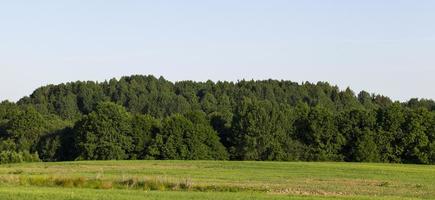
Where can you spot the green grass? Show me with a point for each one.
(215, 180)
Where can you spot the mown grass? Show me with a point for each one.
(41, 193)
(262, 179)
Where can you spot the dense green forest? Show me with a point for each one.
(144, 117)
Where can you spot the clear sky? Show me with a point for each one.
(382, 46)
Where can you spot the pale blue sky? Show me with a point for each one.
(382, 46)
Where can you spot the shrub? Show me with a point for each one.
(7, 157)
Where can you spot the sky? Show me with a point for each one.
(385, 47)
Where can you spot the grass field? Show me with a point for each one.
(215, 180)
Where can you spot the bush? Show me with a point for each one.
(29, 157)
(7, 157)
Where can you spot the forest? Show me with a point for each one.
(144, 117)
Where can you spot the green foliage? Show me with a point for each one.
(389, 122)
(415, 140)
(7, 111)
(17, 157)
(58, 146)
(320, 134)
(144, 117)
(144, 129)
(261, 130)
(184, 139)
(357, 126)
(25, 128)
(366, 149)
(104, 134)
(431, 151)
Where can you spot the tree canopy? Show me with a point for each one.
(144, 117)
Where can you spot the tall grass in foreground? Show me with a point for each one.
(148, 184)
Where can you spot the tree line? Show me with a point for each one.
(144, 117)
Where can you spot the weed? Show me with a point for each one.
(186, 184)
(384, 184)
(17, 171)
(64, 182)
(419, 186)
(105, 185)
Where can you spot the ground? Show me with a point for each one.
(215, 180)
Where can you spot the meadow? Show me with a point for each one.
(215, 180)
